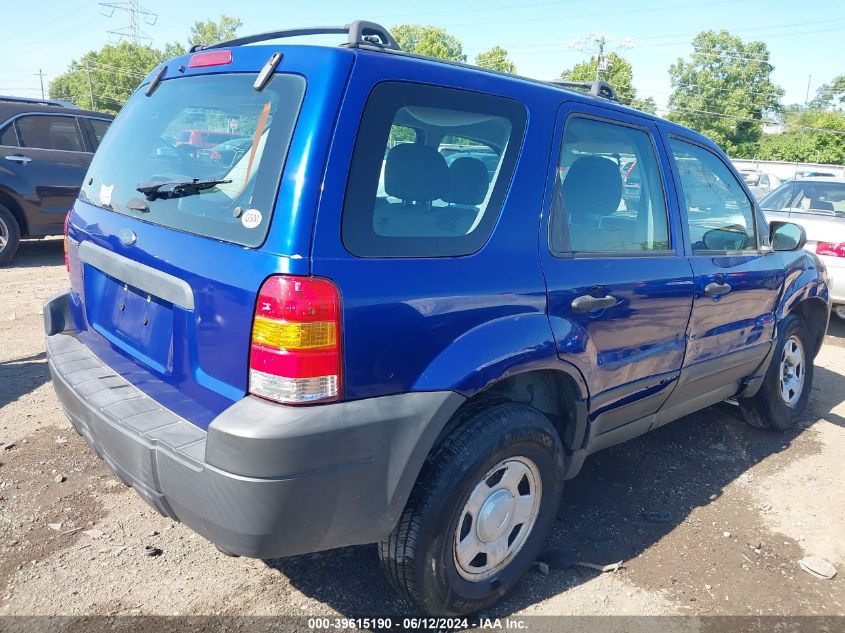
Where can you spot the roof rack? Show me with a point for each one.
(33, 100)
(596, 88)
(360, 34)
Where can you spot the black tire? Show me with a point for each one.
(767, 409)
(419, 557)
(9, 230)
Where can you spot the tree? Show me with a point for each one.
(431, 41)
(495, 59)
(211, 32)
(805, 138)
(830, 95)
(725, 90)
(103, 80)
(619, 74)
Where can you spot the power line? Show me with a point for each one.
(136, 13)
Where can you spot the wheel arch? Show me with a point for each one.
(8, 201)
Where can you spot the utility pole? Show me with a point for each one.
(136, 14)
(807, 98)
(41, 76)
(90, 87)
(601, 64)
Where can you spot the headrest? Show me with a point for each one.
(592, 186)
(468, 181)
(415, 173)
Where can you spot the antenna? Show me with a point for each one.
(137, 14)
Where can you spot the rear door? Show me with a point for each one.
(737, 278)
(619, 288)
(50, 163)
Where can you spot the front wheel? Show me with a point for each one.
(479, 514)
(10, 235)
(783, 397)
(839, 311)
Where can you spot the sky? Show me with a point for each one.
(806, 40)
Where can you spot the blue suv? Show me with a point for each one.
(412, 304)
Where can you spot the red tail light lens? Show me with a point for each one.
(295, 351)
(210, 58)
(67, 261)
(831, 249)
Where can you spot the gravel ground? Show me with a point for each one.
(744, 506)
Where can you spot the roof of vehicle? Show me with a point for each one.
(10, 108)
(839, 179)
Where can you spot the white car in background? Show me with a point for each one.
(817, 204)
(761, 183)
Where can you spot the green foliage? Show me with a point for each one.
(211, 32)
(114, 72)
(619, 74)
(724, 89)
(431, 41)
(831, 95)
(804, 139)
(103, 80)
(495, 59)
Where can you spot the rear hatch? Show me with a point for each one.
(171, 242)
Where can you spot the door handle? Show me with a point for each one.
(23, 160)
(715, 290)
(586, 303)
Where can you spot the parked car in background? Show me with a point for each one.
(817, 204)
(341, 339)
(760, 183)
(632, 185)
(45, 149)
(227, 152)
(203, 139)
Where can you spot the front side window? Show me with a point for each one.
(202, 154)
(609, 194)
(719, 215)
(50, 132)
(429, 171)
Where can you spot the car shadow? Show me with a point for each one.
(20, 376)
(38, 253)
(671, 471)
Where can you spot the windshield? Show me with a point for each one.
(823, 198)
(162, 160)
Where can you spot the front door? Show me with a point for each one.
(737, 279)
(620, 290)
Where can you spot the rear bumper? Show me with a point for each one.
(266, 480)
(836, 278)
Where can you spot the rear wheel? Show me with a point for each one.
(10, 235)
(479, 514)
(839, 311)
(783, 397)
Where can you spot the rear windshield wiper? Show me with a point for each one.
(177, 188)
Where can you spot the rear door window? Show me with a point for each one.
(8, 137)
(157, 163)
(719, 215)
(50, 132)
(429, 171)
(98, 130)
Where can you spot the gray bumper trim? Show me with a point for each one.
(342, 473)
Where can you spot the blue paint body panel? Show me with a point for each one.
(427, 324)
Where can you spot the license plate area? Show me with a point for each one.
(133, 320)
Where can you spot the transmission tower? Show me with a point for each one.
(137, 14)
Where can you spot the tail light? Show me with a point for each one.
(215, 155)
(67, 261)
(831, 249)
(295, 351)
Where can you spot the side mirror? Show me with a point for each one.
(787, 236)
(728, 238)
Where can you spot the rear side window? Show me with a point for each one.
(8, 136)
(719, 215)
(171, 158)
(99, 126)
(50, 132)
(609, 196)
(429, 171)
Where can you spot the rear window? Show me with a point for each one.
(818, 197)
(144, 167)
(430, 170)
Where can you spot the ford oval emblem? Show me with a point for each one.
(127, 237)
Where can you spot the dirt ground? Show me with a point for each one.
(744, 507)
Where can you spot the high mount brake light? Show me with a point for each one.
(295, 350)
(210, 58)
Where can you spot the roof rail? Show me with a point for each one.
(33, 100)
(360, 33)
(596, 88)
